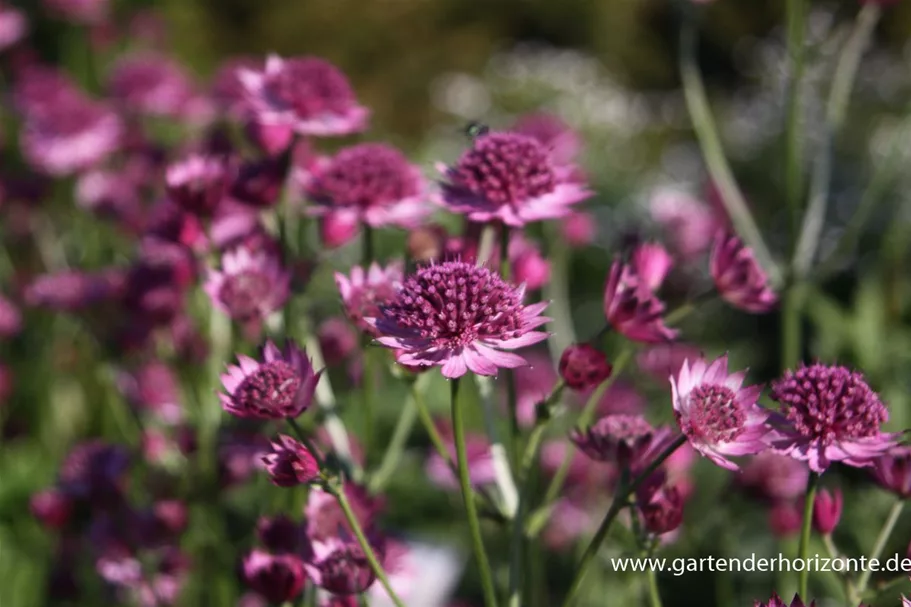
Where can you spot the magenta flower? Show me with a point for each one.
(338, 564)
(533, 384)
(578, 229)
(461, 317)
(368, 183)
(197, 184)
(529, 267)
(94, 471)
(739, 278)
(52, 508)
(785, 518)
(10, 318)
(151, 84)
(290, 463)
(827, 510)
(325, 517)
(892, 471)
(153, 388)
(481, 467)
(279, 578)
(259, 183)
(772, 477)
(250, 285)
(13, 26)
(661, 360)
(717, 413)
(510, 178)
(776, 601)
(830, 414)
(70, 135)
(562, 143)
(583, 367)
(689, 224)
(307, 93)
(630, 303)
(364, 292)
(226, 88)
(626, 440)
(661, 508)
(279, 387)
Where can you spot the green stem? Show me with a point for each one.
(474, 524)
(505, 268)
(832, 550)
(365, 544)
(396, 447)
(624, 490)
(654, 597)
(557, 291)
(792, 326)
(715, 160)
(796, 28)
(367, 393)
(367, 253)
(880, 545)
(803, 577)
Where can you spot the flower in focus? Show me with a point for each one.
(461, 317)
(13, 26)
(481, 469)
(290, 463)
(511, 178)
(279, 578)
(150, 84)
(197, 184)
(583, 367)
(338, 564)
(827, 510)
(78, 11)
(364, 292)
(307, 93)
(623, 439)
(772, 477)
(368, 183)
(739, 278)
(689, 224)
(630, 303)
(279, 387)
(830, 414)
(892, 471)
(250, 285)
(719, 416)
(776, 601)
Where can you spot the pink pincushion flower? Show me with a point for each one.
(369, 183)
(277, 577)
(630, 303)
(510, 178)
(578, 229)
(197, 184)
(461, 317)
(363, 292)
(227, 89)
(830, 414)
(290, 463)
(583, 367)
(307, 93)
(739, 278)
(627, 440)
(151, 84)
(70, 135)
(250, 285)
(717, 413)
(279, 387)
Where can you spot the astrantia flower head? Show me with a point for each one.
(250, 285)
(511, 178)
(776, 601)
(290, 463)
(325, 518)
(151, 84)
(279, 387)
(94, 471)
(307, 93)
(363, 292)
(339, 565)
(370, 183)
(892, 471)
(831, 415)
(623, 439)
(630, 303)
(556, 136)
(717, 413)
(773, 477)
(661, 508)
(739, 278)
(197, 184)
(461, 317)
(277, 577)
(583, 366)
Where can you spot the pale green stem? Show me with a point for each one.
(879, 546)
(654, 597)
(557, 292)
(803, 576)
(707, 135)
(474, 524)
(396, 447)
(834, 554)
(506, 484)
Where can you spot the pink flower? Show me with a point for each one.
(338, 564)
(337, 341)
(78, 11)
(689, 224)
(250, 285)
(325, 517)
(827, 511)
(578, 229)
(562, 143)
(785, 518)
(534, 383)
(529, 267)
(13, 26)
(772, 477)
(70, 135)
(739, 278)
(279, 387)
(510, 178)
(151, 84)
(280, 534)
(661, 508)
(583, 367)
(197, 184)
(368, 183)
(630, 303)
(278, 578)
(461, 317)
(364, 292)
(52, 508)
(259, 183)
(626, 440)
(10, 318)
(95, 472)
(830, 414)
(661, 360)
(226, 88)
(892, 471)
(307, 93)
(290, 463)
(480, 461)
(717, 414)
(153, 387)
(776, 601)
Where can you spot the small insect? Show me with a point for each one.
(476, 129)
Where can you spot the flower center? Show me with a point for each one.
(311, 88)
(366, 175)
(455, 303)
(505, 168)
(243, 294)
(273, 387)
(713, 415)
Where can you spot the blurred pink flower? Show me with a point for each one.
(153, 387)
(307, 93)
(739, 278)
(52, 508)
(363, 292)
(337, 564)
(630, 304)
(534, 383)
(476, 317)
(13, 26)
(772, 477)
(78, 11)
(279, 534)
(511, 178)
(785, 518)
(71, 290)
(578, 229)
(480, 460)
(892, 471)
(250, 285)
(227, 89)
(10, 318)
(689, 224)
(197, 184)
(665, 359)
(562, 143)
(325, 517)
(626, 440)
(290, 463)
(148, 83)
(661, 508)
(337, 341)
(529, 267)
(259, 183)
(278, 578)
(827, 510)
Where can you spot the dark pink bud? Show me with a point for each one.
(624, 439)
(260, 183)
(279, 578)
(197, 184)
(52, 508)
(583, 367)
(892, 471)
(273, 139)
(338, 229)
(290, 463)
(662, 511)
(785, 519)
(827, 510)
(339, 565)
(739, 278)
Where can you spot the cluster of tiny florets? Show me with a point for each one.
(311, 87)
(713, 414)
(505, 168)
(365, 175)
